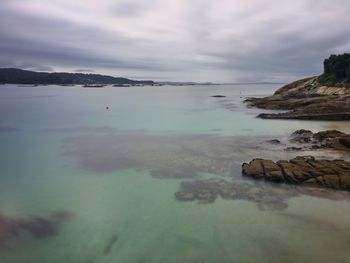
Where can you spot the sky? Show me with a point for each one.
(175, 40)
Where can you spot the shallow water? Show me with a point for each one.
(80, 183)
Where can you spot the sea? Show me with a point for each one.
(89, 175)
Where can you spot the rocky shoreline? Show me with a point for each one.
(300, 175)
(325, 97)
(307, 140)
(306, 99)
(306, 170)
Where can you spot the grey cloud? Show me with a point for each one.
(48, 45)
(130, 8)
(206, 40)
(22, 51)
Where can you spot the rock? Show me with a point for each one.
(293, 149)
(272, 171)
(328, 135)
(301, 132)
(333, 174)
(332, 139)
(345, 140)
(302, 136)
(274, 141)
(254, 169)
(218, 96)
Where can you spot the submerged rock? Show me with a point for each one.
(37, 227)
(185, 196)
(164, 155)
(266, 196)
(179, 173)
(110, 244)
(207, 191)
(306, 170)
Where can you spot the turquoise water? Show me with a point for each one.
(112, 174)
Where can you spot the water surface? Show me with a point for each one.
(80, 183)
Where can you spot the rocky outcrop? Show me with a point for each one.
(306, 170)
(306, 99)
(329, 139)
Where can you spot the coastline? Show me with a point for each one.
(306, 99)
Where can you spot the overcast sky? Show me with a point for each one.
(179, 40)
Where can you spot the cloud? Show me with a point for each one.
(197, 40)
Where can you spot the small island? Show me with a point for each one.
(324, 97)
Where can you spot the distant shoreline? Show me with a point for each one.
(26, 77)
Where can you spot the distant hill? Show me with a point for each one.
(20, 76)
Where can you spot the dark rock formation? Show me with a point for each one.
(334, 174)
(330, 139)
(218, 96)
